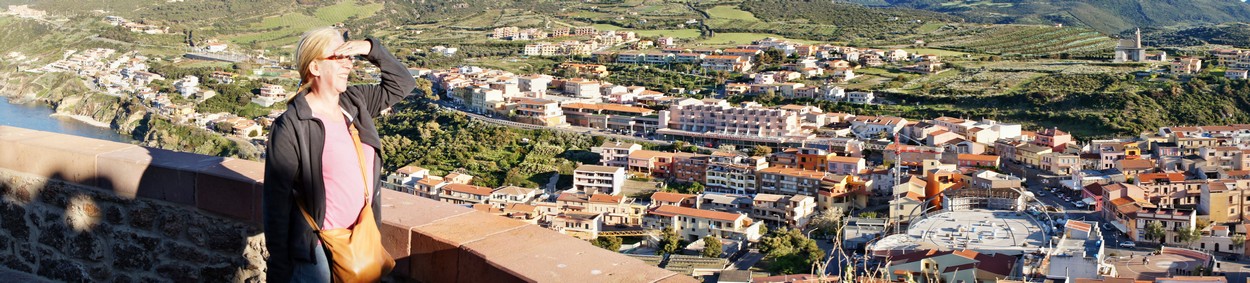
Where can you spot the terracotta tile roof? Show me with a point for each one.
(520, 207)
(469, 189)
(1095, 189)
(430, 181)
(408, 170)
(649, 154)
(1078, 225)
(723, 57)
(670, 197)
(605, 198)
(597, 168)
(1157, 177)
(845, 159)
(669, 210)
(609, 107)
(768, 197)
(572, 197)
(1217, 128)
(1000, 264)
(514, 190)
(978, 157)
(617, 144)
(795, 172)
(1137, 164)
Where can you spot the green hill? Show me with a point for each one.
(1106, 16)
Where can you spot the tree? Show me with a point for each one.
(1154, 231)
(790, 252)
(670, 242)
(761, 150)
(763, 229)
(711, 246)
(868, 214)
(608, 243)
(1238, 240)
(1189, 235)
(426, 88)
(827, 222)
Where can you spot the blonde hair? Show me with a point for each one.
(310, 48)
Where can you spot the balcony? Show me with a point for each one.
(165, 215)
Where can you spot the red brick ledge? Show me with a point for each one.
(433, 241)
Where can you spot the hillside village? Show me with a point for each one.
(710, 180)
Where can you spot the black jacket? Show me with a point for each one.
(293, 162)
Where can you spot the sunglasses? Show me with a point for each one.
(339, 58)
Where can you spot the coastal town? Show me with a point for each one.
(773, 159)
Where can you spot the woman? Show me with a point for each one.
(312, 158)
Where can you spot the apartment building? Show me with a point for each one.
(509, 195)
(591, 179)
(871, 127)
(674, 199)
(793, 181)
(689, 168)
(616, 154)
(465, 194)
(616, 210)
(733, 173)
(726, 63)
(846, 165)
(693, 224)
(1224, 201)
(783, 211)
(1053, 138)
(1172, 220)
(715, 118)
(540, 112)
(615, 117)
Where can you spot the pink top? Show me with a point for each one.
(340, 169)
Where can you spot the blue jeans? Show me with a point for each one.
(317, 271)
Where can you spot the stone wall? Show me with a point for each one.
(68, 232)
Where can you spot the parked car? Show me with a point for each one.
(1128, 244)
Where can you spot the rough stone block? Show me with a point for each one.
(143, 216)
(183, 252)
(131, 257)
(435, 246)
(63, 270)
(178, 272)
(13, 219)
(173, 224)
(87, 247)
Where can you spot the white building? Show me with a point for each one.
(593, 179)
(861, 97)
